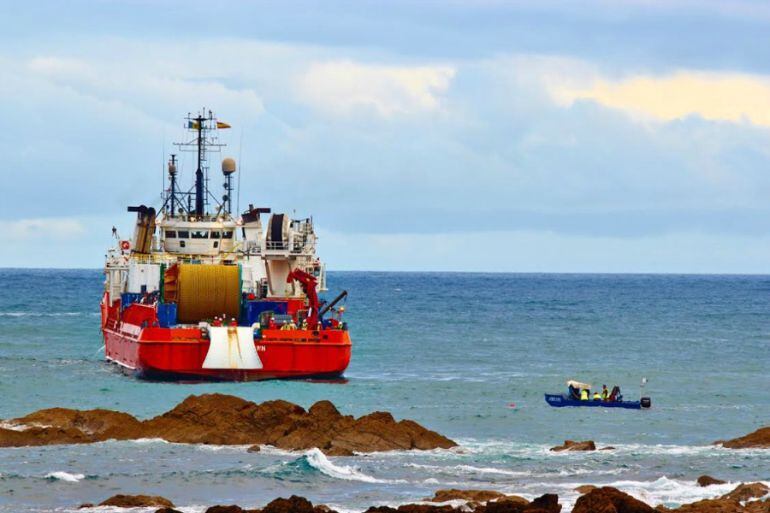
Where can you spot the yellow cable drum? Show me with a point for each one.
(207, 290)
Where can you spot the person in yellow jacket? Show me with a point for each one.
(597, 396)
(584, 394)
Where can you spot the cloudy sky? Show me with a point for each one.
(592, 136)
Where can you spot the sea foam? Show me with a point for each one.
(64, 476)
(318, 460)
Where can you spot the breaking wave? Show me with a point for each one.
(318, 460)
(315, 461)
(64, 476)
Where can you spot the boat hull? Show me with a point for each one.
(178, 354)
(560, 401)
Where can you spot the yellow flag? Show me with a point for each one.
(222, 124)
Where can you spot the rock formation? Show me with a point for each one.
(571, 445)
(759, 439)
(609, 500)
(465, 495)
(137, 501)
(739, 500)
(708, 481)
(227, 420)
(745, 498)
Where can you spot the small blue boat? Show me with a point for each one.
(615, 399)
(561, 400)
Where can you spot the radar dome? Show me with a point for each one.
(228, 166)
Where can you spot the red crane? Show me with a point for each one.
(309, 284)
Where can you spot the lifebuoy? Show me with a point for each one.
(125, 245)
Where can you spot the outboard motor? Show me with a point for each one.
(646, 402)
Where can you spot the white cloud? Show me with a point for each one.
(42, 228)
(730, 97)
(342, 87)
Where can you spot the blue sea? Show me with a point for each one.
(468, 355)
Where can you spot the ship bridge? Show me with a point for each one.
(204, 237)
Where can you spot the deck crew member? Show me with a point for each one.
(605, 393)
(584, 394)
(597, 396)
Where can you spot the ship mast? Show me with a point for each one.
(201, 125)
(199, 171)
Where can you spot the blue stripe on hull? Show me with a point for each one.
(560, 401)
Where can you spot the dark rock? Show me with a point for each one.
(225, 509)
(293, 504)
(584, 489)
(545, 503)
(228, 420)
(570, 445)
(465, 495)
(167, 510)
(87, 505)
(746, 491)
(609, 500)
(254, 448)
(137, 501)
(758, 439)
(708, 481)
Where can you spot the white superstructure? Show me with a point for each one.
(184, 231)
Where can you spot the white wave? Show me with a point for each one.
(662, 491)
(470, 469)
(500, 447)
(65, 476)
(143, 441)
(319, 461)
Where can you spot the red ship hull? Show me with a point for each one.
(179, 352)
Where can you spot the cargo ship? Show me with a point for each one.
(199, 293)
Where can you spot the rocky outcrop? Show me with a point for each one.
(744, 492)
(584, 489)
(571, 445)
(548, 503)
(466, 495)
(745, 498)
(609, 500)
(758, 439)
(708, 481)
(739, 500)
(228, 420)
(137, 501)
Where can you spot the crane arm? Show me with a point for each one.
(309, 283)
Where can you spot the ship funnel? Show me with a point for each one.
(228, 166)
(145, 228)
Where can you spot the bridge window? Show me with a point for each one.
(227, 235)
(170, 234)
(215, 235)
(183, 234)
(200, 234)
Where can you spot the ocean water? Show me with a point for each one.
(469, 355)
